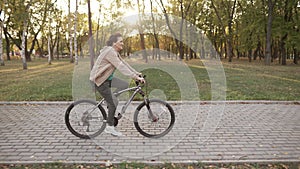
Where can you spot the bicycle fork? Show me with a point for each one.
(151, 115)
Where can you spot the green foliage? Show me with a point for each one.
(248, 24)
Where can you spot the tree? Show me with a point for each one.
(91, 39)
(25, 26)
(156, 51)
(266, 29)
(141, 12)
(70, 31)
(1, 30)
(49, 42)
(284, 28)
(75, 33)
(249, 29)
(183, 10)
(271, 4)
(229, 13)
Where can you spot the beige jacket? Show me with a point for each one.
(109, 60)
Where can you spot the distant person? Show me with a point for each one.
(102, 74)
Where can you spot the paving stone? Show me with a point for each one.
(253, 131)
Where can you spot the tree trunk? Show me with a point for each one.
(268, 56)
(7, 43)
(70, 33)
(91, 39)
(75, 34)
(178, 42)
(202, 49)
(141, 33)
(143, 47)
(157, 51)
(49, 41)
(33, 44)
(296, 55)
(49, 48)
(1, 44)
(98, 43)
(23, 52)
(58, 41)
(27, 53)
(250, 55)
(181, 47)
(282, 53)
(229, 50)
(24, 39)
(229, 39)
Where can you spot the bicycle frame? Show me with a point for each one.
(137, 89)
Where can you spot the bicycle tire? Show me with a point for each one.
(80, 126)
(149, 128)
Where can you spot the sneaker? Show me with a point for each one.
(111, 130)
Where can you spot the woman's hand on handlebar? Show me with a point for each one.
(140, 78)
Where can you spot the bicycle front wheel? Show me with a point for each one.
(85, 119)
(154, 119)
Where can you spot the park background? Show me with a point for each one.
(257, 42)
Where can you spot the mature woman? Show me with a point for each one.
(102, 75)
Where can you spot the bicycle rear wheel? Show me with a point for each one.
(156, 123)
(85, 119)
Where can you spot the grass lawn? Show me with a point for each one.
(39, 82)
(255, 81)
(245, 81)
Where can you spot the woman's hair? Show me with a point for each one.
(113, 38)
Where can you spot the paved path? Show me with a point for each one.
(217, 132)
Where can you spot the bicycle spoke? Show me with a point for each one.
(155, 120)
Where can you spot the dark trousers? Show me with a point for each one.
(112, 102)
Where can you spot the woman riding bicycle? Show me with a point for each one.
(102, 74)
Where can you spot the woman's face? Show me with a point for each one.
(119, 44)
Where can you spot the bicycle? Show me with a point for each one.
(153, 118)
